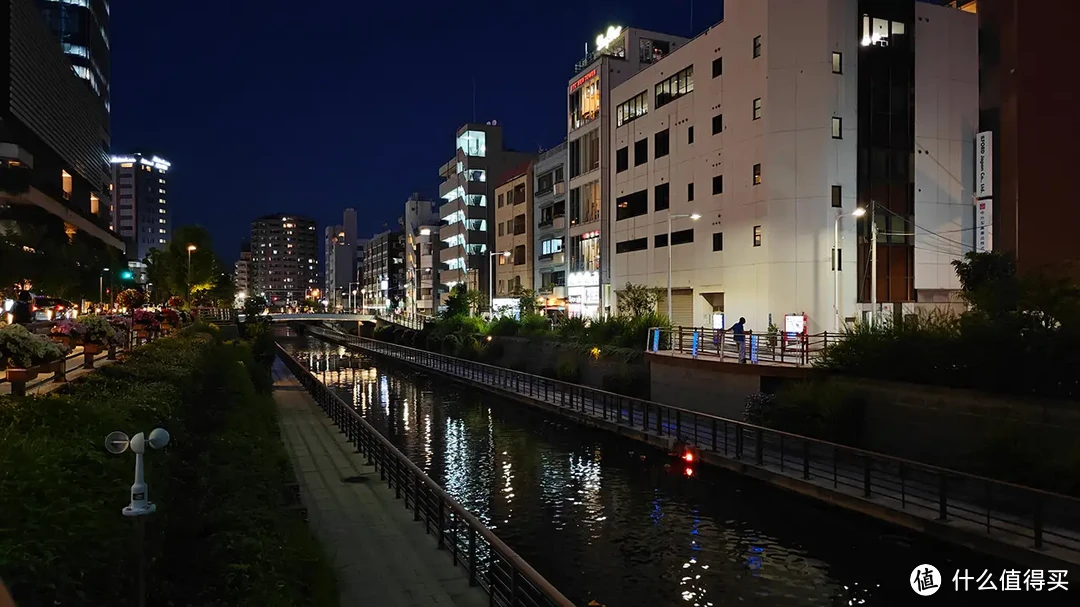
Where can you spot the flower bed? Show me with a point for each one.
(22, 350)
(221, 535)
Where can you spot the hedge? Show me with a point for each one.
(221, 535)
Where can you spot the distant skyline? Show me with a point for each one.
(315, 109)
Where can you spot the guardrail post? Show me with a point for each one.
(472, 555)
(714, 435)
(397, 483)
(513, 586)
(759, 447)
(416, 498)
(442, 522)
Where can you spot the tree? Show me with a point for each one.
(527, 303)
(197, 280)
(988, 282)
(462, 301)
(254, 306)
(638, 300)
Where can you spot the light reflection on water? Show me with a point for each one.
(609, 520)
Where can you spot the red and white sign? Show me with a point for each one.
(984, 225)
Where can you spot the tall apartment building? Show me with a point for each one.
(619, 54)
(513, 254)
(284, 258)
(82, 27)
(774, 126)
(384, 271)
(467, 213)
(54, 138)
(421, 228)
(339, 252)
(549, 217)
(242, 271)
(140, 209)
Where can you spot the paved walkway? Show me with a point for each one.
(381, 556)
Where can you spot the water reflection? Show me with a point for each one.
(607, 520)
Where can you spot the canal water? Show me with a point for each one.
(609, 520)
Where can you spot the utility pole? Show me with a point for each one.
(873, 263)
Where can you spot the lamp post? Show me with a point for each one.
(693, 216)
(858, 212)
(491, 280)
(190, 249)
(101, 286)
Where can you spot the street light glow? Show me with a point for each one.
(695, 216)
(191, 247)
(858, 212)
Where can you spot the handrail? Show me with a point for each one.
(362, 434)
(1006, 509)
(775, 347)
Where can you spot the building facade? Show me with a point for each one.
(512, 257)
(339, 253)
(242, 272)
(421, 227)
(619, 54)
(54, 138)
(467, 213)
(82, 27)
(284, 259)
(549, 227)
(773, 128)
(384, 272)
(141, 213)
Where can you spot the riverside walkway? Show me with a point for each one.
(381, 556)
(1015, 522)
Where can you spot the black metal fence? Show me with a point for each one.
(491, 564)
(1014, 514)
(779, 348)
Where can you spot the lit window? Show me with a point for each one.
(161, 231)
(837, 63)
(95, 204)
(126, 165)
(757, 236)
(162, 211)
(837, 128)
(67, 184)
(757, 174)
(161, 220)
(161, 241)
(757, 108)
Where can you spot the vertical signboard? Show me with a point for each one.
(984, 192)
(984, 225)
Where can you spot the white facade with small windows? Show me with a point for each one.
(753, 125)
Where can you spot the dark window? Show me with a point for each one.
(837, 128)
(500, 201)
(627, 246)
(757, 108)
(545, 183)
(757, 46)
(689, 135)
(660, 241)
(689, 192)
(678, 85)
(575, 206)
(622, 159)
(838, 63)
(632, 205)
(660, 144)
(717, 123)
(560, 209)
(641, 152)
(682, 237)
(633, 108)
(718, 184)
(757, 174)
(519, 193)
(519, 225)
(559, 175)
(757, 236)
(575, 158)
(718, 241)
(519, 254)
(717, 67)
(661, 197)
(837, 196)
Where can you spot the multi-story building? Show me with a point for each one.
(82, 27)
(549, 217)
(356, 285)
(513, 254)
(778, 127)
(141, 212)
(339, 249)
(1028, 127)
(619, 54)
(242, 271)
(384, 271)
(54, 138)
(421, 226)
(467, 212)
(284, 259)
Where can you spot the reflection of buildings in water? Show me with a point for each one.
(405, 414)
(427, 443)
(586, 473)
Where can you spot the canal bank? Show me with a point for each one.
(1016, 523)
(602, 523)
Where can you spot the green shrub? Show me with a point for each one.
(492, 352)
(568, 369)
(819, 409)
(504, 326)
(572, 329)
(535, 325)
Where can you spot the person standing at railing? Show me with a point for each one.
(739, 333)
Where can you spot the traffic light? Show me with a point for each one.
(127, 275)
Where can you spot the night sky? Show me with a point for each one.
(313, 106)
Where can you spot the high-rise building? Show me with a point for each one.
(421, 226)
(82, 27)
(54, 140)
(1028, 128)
(777, 128)
(550, 227)
(242, 271)
(339, 244)
(618, 54)
(513, 258)
(467, 212)
(284, 259)
(141, 213)
(384, 271)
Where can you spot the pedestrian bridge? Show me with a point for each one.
(323, 317)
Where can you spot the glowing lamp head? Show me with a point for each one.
(191, 247)
(858, 212)
(695, 216)
(688, 457)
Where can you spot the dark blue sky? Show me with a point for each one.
(314, 106)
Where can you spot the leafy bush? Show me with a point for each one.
(504, 326)
(491, 352)
(19, 348)
(568, 369)
(98, 329)
(572, 329)
(819, 409)
(535, 325)
(1011, 455)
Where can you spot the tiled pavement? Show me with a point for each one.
(382, 557)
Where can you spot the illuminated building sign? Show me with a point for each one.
(605, 39)
(580, 81)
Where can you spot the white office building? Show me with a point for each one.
(774, 127)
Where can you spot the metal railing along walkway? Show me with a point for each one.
(1020, 516)
(406, 319)
(490, 563)
(773, 348)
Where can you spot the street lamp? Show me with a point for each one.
(101, 286)
(858, 212)
(491, 280)
(190, 249)
(692, 216)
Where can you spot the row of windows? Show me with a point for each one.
(630, 206)
(677, 238)
(674, 87)
(633, 108)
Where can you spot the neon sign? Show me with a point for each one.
(580, 81)
(603, 40)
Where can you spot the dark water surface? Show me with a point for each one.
(607, 519)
